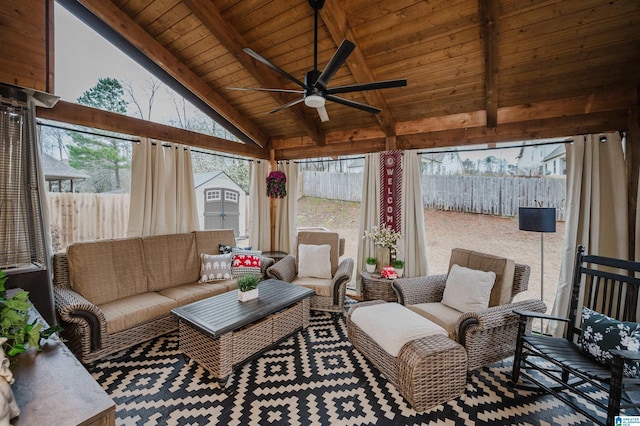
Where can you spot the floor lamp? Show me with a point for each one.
(538, 219)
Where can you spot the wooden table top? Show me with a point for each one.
(223, 313)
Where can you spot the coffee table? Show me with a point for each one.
(221, 333)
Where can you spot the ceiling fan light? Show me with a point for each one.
(314, 101)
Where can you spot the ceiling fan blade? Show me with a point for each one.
(322, 112)
(335, 63)
(387, 84)
(287, 105)
(277, 69)
(257, 89)
(353, 104)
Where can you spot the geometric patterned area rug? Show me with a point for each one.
(312, 378)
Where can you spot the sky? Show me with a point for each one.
(83, 56)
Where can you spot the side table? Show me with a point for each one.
(376, 287)
(275, 255)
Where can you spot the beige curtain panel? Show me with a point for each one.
(286, 211)
(162, 190)
(596, 210)
(259, 230)
(369, 210)
(413, 246)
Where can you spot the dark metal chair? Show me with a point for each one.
(610, 287)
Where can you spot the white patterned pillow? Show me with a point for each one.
(245, 262)
(215, 267)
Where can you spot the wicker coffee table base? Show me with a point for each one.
(222, 354)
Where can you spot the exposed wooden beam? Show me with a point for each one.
(81, 115)
(489, 10)
(534, 129)
(336, 22)
(332, 149)
(234, 42)
(120, 22)
(632, 159)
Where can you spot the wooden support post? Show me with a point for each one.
(391, 143)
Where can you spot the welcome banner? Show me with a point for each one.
(390, 189)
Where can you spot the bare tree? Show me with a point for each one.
(149, 90)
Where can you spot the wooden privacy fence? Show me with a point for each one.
(87, 216)
(494, 195)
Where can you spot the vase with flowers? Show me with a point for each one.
(276, 184)
(385, 238)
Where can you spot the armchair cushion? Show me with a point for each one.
(440, 314)
(319, 238)
(314, 261)
(321, 286)
(504, 269)
(468, 290)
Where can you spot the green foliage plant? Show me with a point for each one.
(398, 264)
(371, 261)
(248, 282)
(15, 324)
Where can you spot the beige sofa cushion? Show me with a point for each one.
(320, 238)
(321, 286)
(170, 260)
(188, 293)
(442, 315)
(107, 270)
(392, 325)
(208, 242)
(503, 268)
(133, 310)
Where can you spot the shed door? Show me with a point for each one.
(222, 209)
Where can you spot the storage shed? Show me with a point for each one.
(222, 203)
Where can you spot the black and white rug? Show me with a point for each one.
(315, 378)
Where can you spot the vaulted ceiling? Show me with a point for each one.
(476, 70)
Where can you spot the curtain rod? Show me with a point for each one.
(327, 161)
(87, 132)
(497, 147)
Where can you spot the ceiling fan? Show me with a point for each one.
(314, 88)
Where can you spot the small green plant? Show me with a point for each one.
(248, 282)
(398, 264)
(21, 334)
(370, 261)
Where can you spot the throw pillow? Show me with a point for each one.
(468, 290)
(314, 261)
(215, 267)
(601, 333)
(224, 249)
(245, 262)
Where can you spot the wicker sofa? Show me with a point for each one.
(113, 294)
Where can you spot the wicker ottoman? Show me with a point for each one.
(427, 371)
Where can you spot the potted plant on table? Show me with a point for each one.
(398, 265)
(370, 264)
(248, 287)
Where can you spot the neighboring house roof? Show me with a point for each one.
(58, 170)
(558, 152)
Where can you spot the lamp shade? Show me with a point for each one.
(537, 219)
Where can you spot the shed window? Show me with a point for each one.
(231, 196)
(212, 195)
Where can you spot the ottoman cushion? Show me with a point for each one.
(392, 325)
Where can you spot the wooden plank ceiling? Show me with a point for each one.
(477, 71)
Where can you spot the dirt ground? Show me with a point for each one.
(446, 230)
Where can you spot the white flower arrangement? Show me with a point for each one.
(383, 237)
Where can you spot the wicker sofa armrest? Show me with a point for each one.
(284, 270)
(496, 317)
(265, 264)
(342, 277)
(416, 290)
(72, 308)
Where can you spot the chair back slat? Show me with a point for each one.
(608, 286)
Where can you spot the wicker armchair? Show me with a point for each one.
(330, 293)
(488, 335)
